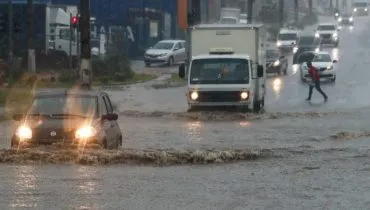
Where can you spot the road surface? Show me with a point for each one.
(315, 156)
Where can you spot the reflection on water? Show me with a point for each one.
(25, 188)
(244, 124)
(276, 86)
(194, 129)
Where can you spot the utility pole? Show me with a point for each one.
(310, 7)
(250, 11)
(10, 33)
(281, 13)
(337, 4)
(296, 12)
(85, 67)
(331, 6)
(31, 43)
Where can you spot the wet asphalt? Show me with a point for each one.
(319, 160)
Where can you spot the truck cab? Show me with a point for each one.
(229, 76)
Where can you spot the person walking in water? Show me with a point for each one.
(314, 74)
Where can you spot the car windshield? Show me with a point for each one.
(304, 57)
(360, 4)
(219, 71)
(307, 40)
(228, 21)
(322, 58)
(287, 36)
(270, 54)
(74, 105)
(326, 28)
(163, 45)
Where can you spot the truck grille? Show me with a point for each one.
(326, 36)
(219, 96)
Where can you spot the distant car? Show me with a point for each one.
(360, 8)
(346, 20)
(166, 52)
(68, 117)
(286, 39)
(275, 62)
(322, 61)
(306, 43)
(328, 32)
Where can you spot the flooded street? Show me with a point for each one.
(312, 155)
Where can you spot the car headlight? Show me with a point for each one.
(317, 35)
(317, 50)
(295, 49)
(163, 54)
(194, 95)
(336, 14)
(355, 9)
(351, 19)
(335, 34)
(339, 19)
(244, 95)
(365, 9)
(278, 43)
(276, 63)
(24, 132)
(85, 132)
(329, 68)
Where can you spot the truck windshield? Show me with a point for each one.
(326, 28)
(360, 4)
(287, 36)
(219, 71)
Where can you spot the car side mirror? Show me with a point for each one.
(176, 48)
(182, 70)
(110, 117)
(335, 61)
(259, 71)
(18, 117)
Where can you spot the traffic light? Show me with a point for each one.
(3, 22)
(74, 21)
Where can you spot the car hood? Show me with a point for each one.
(67, 124)
(326, 32)
(157, 51)
(322, 64)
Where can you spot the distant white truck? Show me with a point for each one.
(226, 67)
(230, 16)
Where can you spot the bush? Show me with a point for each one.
(117, 68)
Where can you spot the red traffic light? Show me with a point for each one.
(74, 20)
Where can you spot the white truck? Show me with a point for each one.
(226, 66)
(230, 16)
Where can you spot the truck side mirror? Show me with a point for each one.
(259, 71)
(182, 70)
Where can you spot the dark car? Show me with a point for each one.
(68, 117)
(306, 43)
(275, 62)
(346, 20)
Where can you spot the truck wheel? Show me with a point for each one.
(256, 107)
(170, 61)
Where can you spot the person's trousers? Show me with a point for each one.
(318, 88)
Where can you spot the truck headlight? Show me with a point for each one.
(335, 34)
(276, 63)
(365, 9)
(339, 19)
(85, 132)
(317, 50)
(278, 43)
(351, 19)
(244, 95)
(24, 132)
(317, 35)
(336, 14)
(194, 95)
(355, 9)
(295, 49)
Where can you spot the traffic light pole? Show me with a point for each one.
(85, 67)
(70, 42)
(10, 33)
(31, 44)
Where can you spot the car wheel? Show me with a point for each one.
(170, 61)
(147, 64)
